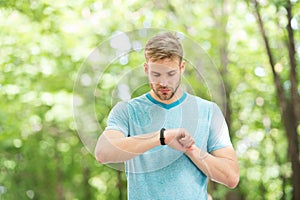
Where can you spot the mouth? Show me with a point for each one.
(164, 90)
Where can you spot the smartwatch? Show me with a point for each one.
(162, 137)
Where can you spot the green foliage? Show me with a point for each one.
(43, 45)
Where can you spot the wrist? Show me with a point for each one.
(162, 136)
(196, 153)
(157, 138)
(193, 151)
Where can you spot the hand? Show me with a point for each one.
(179, 139)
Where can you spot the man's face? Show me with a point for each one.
(164, 77)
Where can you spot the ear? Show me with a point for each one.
(146, 69)
(182, 67)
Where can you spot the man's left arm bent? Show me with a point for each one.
(220, 165)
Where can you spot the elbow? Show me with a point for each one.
(101, 151)
(100, 160)
(233, 181)
(100, 157)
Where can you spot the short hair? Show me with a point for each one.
(162, 46)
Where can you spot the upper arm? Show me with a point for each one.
(118, 120)
(218, 131)
(117, 127)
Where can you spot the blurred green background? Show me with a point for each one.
(43, 44)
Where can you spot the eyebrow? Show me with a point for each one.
(172, 71)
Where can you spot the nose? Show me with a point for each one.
(163, 82)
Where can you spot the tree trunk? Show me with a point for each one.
(222, 20)
(120, 186)
(288, 107)
(295, 98)
(86, 176)
(59, 179)
(290, 124)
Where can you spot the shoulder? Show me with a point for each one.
(203, 105)
(138, 99)
(200, 101)
(139, 102)
(130, 101)
(124, 106)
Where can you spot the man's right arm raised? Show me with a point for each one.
(113, 147)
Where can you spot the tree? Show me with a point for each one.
(44, 44)
(288, 100)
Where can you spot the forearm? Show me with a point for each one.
(219, 169)
(113, 150)
(113, 146)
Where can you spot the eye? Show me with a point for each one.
(155, 74)
(172, 73)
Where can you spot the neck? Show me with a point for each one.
(175, 97)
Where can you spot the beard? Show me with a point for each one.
(164, 93)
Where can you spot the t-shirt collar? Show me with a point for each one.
(167, 106)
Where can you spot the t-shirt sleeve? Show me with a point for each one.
(118, 118)
(218, 130)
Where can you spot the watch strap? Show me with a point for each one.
(162, 136)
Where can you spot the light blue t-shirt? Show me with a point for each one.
(162, 172)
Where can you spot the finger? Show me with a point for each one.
(183, 141)
(186, 142)
(188, 145)
(181, 133)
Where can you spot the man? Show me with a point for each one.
(170, 141)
